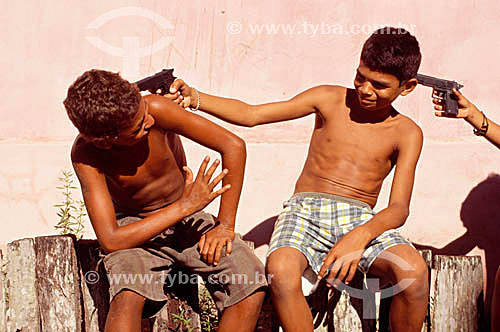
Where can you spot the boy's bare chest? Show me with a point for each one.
(375, 143)
(158, 160)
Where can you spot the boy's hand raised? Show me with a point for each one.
(465, 107)
(182, 94)
(200, 192)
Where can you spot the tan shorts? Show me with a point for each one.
(148, 270)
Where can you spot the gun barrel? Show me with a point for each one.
(437, 82)
(164, 77)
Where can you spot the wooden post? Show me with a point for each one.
(3, 304)
(58, 284)
(22, 307)
(94, 285)
(456, 285)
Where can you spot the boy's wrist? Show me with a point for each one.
(473, 115)
(195, 99)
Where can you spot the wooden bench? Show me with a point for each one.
(50, 284)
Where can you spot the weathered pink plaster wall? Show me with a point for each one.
(45, 46)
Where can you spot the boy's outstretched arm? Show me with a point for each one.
(174, 118)
(470, 113)
(197, 194)
(347, 252)
(237, 112)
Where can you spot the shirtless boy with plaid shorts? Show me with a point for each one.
(329, 222)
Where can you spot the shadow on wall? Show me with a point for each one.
(480, 214)
(261, 234)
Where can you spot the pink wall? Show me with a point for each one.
(45, 47)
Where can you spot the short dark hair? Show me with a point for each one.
(101, 103)
(394, 51)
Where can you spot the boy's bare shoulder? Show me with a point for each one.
(83, 152)
(328, 98)
(409, 129)
(331, 93)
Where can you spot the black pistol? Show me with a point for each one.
(159, 81)
(443, 90)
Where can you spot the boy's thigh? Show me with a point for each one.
(237, 275)
(397, 262)
(139, 270)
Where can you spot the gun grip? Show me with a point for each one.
(451, 104)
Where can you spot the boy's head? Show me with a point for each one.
(103, 107)
(392, 51)
(389, 63)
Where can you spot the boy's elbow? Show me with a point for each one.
(110, 245)
(239, 145)
(251, 119)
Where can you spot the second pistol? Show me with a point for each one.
(444, 90)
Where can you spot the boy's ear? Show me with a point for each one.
(408, 86)
(100, 143)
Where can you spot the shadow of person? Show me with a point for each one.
(480, 214)
(261, 234)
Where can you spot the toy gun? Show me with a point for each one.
(159, 81)
(443, 90)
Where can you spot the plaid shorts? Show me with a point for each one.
(314, 222)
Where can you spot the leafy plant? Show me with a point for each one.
(71, 212)
(183, 321)
(209, 315)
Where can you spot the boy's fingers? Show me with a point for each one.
(211, 253)
(342, 274)
(218, 179)
(218, 253)
(201, 243)
(457, 93)
(221, 191)
(204, 250)
(334, 272)
(352, 272)
(186, 102)
(229, 247)
(211, 170)
(189, 175)
(324, 268)
(176, 85)
(203, 167)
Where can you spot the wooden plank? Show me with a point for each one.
(22, 307)
(58, 284)
(3, 304)
(94, 286)
(456, 285)
(427, 255)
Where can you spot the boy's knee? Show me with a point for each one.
(419, 277)
(284, 276)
